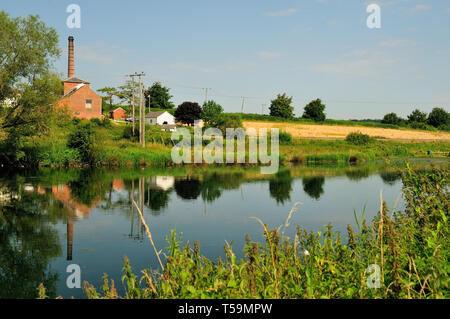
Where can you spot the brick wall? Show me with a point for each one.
(76, 103)
(118, 114)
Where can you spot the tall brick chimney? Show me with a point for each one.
(71, 65)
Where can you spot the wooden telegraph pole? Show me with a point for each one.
(141, 108)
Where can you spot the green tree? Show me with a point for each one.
(85, 139)
(109, 93)
(417, 116)
(211, 113)
(125, 93)
(280, 187)
(438, 117)
(314, 111)
(229, 121)
(392, 118)
(313, 186)
(188, 112)
(281, 106)
(159, 96)
(27, 48)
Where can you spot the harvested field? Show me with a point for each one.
(340, 132)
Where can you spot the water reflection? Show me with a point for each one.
(27, 240)
(280, 187)
(47, 217)
(313, 186)
(390, 178)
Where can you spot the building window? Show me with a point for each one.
(88, 104)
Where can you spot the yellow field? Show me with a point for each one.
(340, 132)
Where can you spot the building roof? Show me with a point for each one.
(76, 88)
(118, 108)
(75, 80)
(155, 114)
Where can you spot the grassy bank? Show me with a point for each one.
(104, 143)
(409, 248)
(341, 151)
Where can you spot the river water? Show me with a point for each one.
(52, 218)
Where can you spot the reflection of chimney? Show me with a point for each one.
(69, 238)
(71, 64)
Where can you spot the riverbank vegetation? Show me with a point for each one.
(34, 133)
(74, 142)
(400, 254)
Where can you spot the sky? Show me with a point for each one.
(307, 49)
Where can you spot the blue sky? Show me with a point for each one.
(308, 49)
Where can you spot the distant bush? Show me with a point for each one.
(417, 116)
(285, 138)
(228, 121)
(392, 118)
(358, 138)
(421, 126)
(128, 132)
(315, 111)
(439, 117)
(76, 121)
(96, 121)
(83, 138)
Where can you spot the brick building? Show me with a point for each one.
(78, 97)
(118, 114)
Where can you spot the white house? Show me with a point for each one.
(160, 118)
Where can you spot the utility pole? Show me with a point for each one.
(262, 108)
(141, 109)
(132, 98)
(242, 107)
(141, 112)
(206, 94)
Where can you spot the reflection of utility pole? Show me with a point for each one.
(132, 207)
(69, 238)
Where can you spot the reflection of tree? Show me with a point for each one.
(280, 186)
(390, 178)
(157, 199)
(27, 244)
(313, 186)
(358, 174)
(187, 188)
(89, 187)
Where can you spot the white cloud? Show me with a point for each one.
(395, 43)
(421, 7)
(191, 66)
(269, 54)
(282, 13)
(93, 54)
(362, 66)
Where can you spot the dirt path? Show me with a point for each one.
(340, 132)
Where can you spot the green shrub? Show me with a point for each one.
(285, 138)
(84, 139)
(358, 138)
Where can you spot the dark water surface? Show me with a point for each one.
(50, 219)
